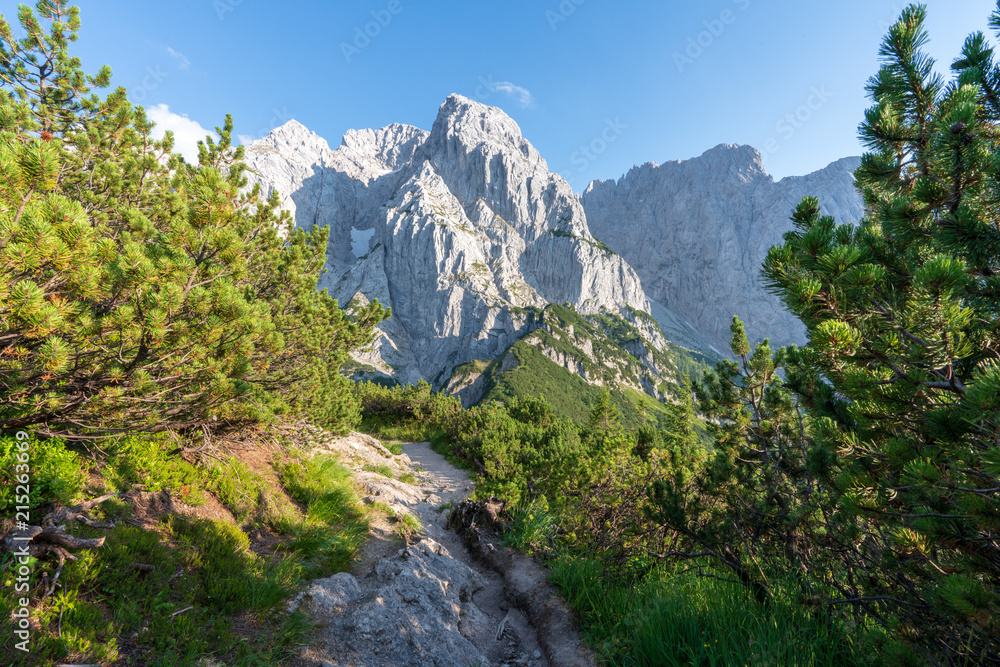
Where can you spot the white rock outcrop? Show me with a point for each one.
(417, 611)
(697, 232)
(469, 231)
(465, 233)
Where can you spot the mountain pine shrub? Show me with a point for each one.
(901, 375)
(138, 291)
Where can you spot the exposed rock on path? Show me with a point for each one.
(431, 602)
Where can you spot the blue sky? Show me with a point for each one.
(596, 85)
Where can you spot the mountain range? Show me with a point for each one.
(502, 280)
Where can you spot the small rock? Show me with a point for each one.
(415, 616)
(326, 595)
(536, 655)
(387, 490)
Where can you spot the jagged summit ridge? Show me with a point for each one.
(698, 230)
(467, 231)
(466, 234)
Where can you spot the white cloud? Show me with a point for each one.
(187, 133)
(523, 95)
(182, 60)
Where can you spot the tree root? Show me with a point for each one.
(50, 539)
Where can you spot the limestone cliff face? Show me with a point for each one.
(463, 231)
(697, 232)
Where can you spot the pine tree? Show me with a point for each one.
(751, 507)
(604, 418)
(137, 291)
(902, 369)
(680, 437)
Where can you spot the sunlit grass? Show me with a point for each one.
(673, 617)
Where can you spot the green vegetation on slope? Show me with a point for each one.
(126, 273)
(169, 589)
(866, 463)
(675, 617)
(582, 493)
(537, 375)
(142, 295)
(597, 348)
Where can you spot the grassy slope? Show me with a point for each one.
(571, 395)
(205, 590)
(674, 617)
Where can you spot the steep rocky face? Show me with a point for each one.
(463, 231)
(697, 232)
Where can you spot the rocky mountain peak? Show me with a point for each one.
(736, 160)
(389, 147)
(462, 231)
(465, 233)
(294, 137)
(697, 232)
(464, 124)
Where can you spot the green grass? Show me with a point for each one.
(408, 526)
(242, 491)
(335, 526)
(108, 609)
(533, 526)
(570, 395)
(537, 375)
(150, 464)
(201, 591)
(56, 473)
(389, 427)
(408, 478)
(672, 617)
(380, 507)
(383, 470)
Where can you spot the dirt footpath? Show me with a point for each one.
(428, 600)
(444, 485)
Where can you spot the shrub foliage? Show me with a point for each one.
(138, 291)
